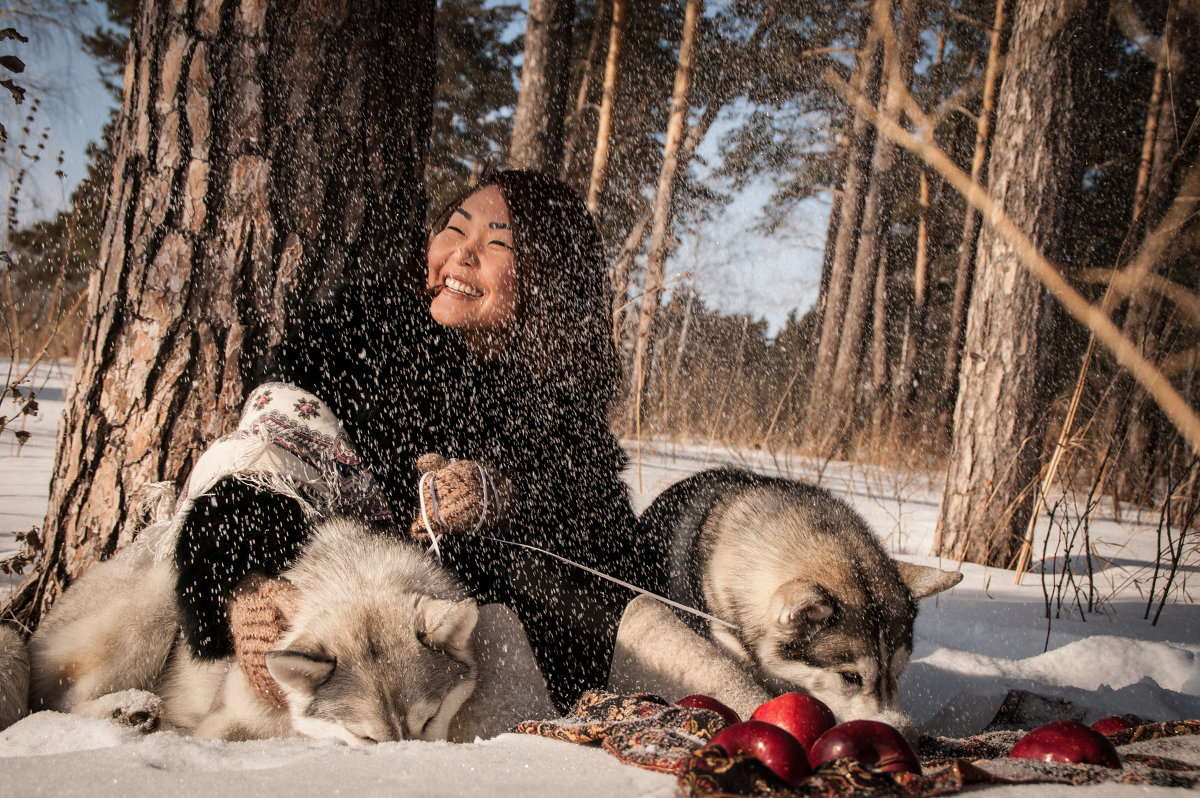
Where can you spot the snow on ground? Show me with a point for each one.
(25, 469)
(973, 644)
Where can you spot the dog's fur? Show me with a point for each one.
(378, 648)
(14, 677)
(111, 631)
(816, 603)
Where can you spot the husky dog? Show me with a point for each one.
(814, 602)
(378, 648)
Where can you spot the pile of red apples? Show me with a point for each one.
(795, 733)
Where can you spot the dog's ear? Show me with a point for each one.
(300, 667)
(923, 581)
(799, 604)
(447, 625)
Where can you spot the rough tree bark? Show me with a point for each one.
(537, 140)
(1003, 392)
(263, 151)
(965, 273)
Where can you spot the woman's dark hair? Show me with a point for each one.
(565, 297)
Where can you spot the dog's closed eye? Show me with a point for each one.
(852, 679)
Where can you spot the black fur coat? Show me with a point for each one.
(402, 386)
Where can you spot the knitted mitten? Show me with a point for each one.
(258, 613)
(456, 496)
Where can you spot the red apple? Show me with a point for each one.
(769, 744)
(1067, 741)
(700, 701)
(872, 743)
(1111, 724)
(807, 718)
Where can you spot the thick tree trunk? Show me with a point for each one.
(612, 77)
(262, 152)
(660, 228)
(1003, 393)
(965, 273)
(537, 140)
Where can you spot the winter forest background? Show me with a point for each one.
(955, 237)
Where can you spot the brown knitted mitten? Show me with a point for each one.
(457, 490)
(258, 613)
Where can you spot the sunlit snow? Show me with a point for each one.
(972, 645)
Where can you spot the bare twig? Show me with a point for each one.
(1124, 284)
(1187, 489)
(1131, 25)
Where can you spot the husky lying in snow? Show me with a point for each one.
(815, 603)
(378, 648)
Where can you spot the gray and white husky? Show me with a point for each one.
(378, 648)
(814, 602)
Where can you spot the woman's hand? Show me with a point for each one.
(258, 617)
(460, 496)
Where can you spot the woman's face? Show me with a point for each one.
(472, 274)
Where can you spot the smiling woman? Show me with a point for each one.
(472, 276)
(504, 362)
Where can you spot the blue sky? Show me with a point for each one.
(74, 108)
(739, 269)
(735, 268)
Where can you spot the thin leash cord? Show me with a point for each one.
(486, 480)
(614, 580)
(433, 537)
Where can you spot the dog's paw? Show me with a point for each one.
(137, 709)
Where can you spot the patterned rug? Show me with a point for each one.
(645, 731)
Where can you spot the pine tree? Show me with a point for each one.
(261, 154)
